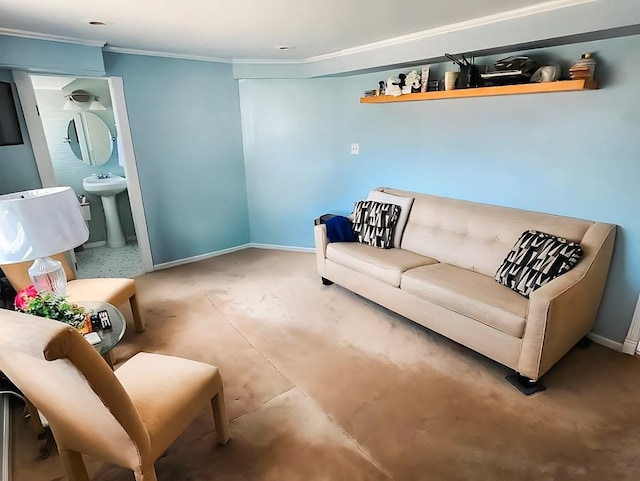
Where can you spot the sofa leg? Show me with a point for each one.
(524, 384)
(326, 282)
(584, 343)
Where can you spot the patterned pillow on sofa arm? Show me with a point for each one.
(374, 222)
(535, 259)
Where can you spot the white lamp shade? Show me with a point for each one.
(39, 223)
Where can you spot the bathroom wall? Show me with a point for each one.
(69, 170)
(18, 169)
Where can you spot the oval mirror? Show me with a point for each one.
(89, 138)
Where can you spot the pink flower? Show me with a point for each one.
(24, 296)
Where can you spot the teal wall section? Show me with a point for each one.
(575, 154)
(185, 125)
(53, 57)
(18, 169)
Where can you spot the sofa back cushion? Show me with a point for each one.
(475, 236)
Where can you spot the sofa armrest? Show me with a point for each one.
(322, 241)
(564, 310)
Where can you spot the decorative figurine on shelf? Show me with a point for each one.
(413, 83)
(393, 87)
(403, 83)
(381, 87)
(584, 68)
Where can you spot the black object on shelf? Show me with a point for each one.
(469, 76)
(510, 71)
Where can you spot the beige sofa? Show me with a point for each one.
(442, 277)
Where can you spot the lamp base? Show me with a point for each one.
(48, 274)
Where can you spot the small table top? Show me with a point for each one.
(109, 337)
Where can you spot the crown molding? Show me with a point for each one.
(154, 53)
(403, 39)
(51, 38)
(412, 37)
(269, 61)
(454, 27)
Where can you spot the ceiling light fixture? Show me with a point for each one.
(78, 100)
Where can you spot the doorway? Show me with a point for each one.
(79, 129)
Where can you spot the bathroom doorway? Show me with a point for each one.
(82, 132)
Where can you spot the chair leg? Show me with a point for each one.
(147, 473)
(138, 320)
(34, 417)
(220, 417)
(109, 358)
(74, 466)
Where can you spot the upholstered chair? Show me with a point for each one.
(128, 417)
(115, 291)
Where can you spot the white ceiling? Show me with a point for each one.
(245, 29)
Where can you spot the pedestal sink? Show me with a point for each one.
(107, 187)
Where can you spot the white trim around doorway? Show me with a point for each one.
(116, 89)
(631, 345)
(43, 158)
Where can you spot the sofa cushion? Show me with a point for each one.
(475, 236)
(374, 222)
(535, 259)
(469, 293)
(384, 265)
(404, 203)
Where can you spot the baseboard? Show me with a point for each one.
(630, 346)
(605, 341)
(89, 245)
(189, 260)
(280, 248)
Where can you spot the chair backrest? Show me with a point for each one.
(67, 380)
(18, 274)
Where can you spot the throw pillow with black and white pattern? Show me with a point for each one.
(373, 222)
(535, 259)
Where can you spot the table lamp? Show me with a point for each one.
(35, 224)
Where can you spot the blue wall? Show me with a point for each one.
(18, 169)
(185, 124)
(38, 55)
(574, 154)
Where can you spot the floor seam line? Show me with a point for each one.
(355, 443)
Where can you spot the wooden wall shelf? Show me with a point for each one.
(530, 88)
